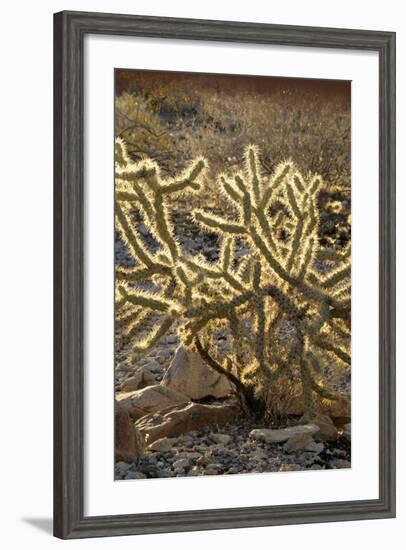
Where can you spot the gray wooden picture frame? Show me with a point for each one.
(70, 29)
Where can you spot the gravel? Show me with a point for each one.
(197, 453)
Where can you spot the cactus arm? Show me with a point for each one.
(251, 159)
(189, 181)
(140, 274)
(163, 226)
(137, 195)
(292, 201)
(336, 277)
(297, 239)
(131, 238)
(275, 182)
(230, 191)
(220, 225)
(307, 258)
(331, 347)
(266, 229)
(149, 301)
(153, 337)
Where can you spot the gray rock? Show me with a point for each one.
(339, 463)
(222, 439)
(258, 455)
(153, 366)
(190, 455)
(290, 468)
(135, 475)
(181, 463)
(121, 469)
(303, 442)
(279, 436)
(211, 472)
(162, 445)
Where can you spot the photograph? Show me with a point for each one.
(232, 298)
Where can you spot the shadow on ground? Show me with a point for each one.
(43, 524)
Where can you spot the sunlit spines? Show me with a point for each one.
(217, 223)
(141, 347)
(130, 236)
(253, 171)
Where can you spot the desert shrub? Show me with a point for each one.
(283, 305)
(313, 129)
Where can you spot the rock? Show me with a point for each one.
(303, 442)
(211, 471)
(186, 440)
(347, 431)
(278, 436)
(128, 441)
(189, 454)
(162, 445)
(135, 475)
(339, 463)
(181, 464)
(120, 469)
(152, 366)
(314, 447)
(205, 459)
(340, 408)
(139, 380)
(148, 400)
(150, 470)
(188, 374)
(222, 439)
(162, 357)
(327, 430)
(258, 455)
(186, 417)
(290, 468)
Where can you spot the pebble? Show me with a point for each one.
(181, 463)
(135, 475)
(223, 439)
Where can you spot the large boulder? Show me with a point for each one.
(150, 399)
(182, 418)
(341, 408)
(191, 376)
(128, 442)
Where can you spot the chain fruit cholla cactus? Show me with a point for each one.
(282, 313)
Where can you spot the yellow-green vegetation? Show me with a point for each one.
(284, 305)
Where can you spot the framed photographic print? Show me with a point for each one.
(224, 275)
